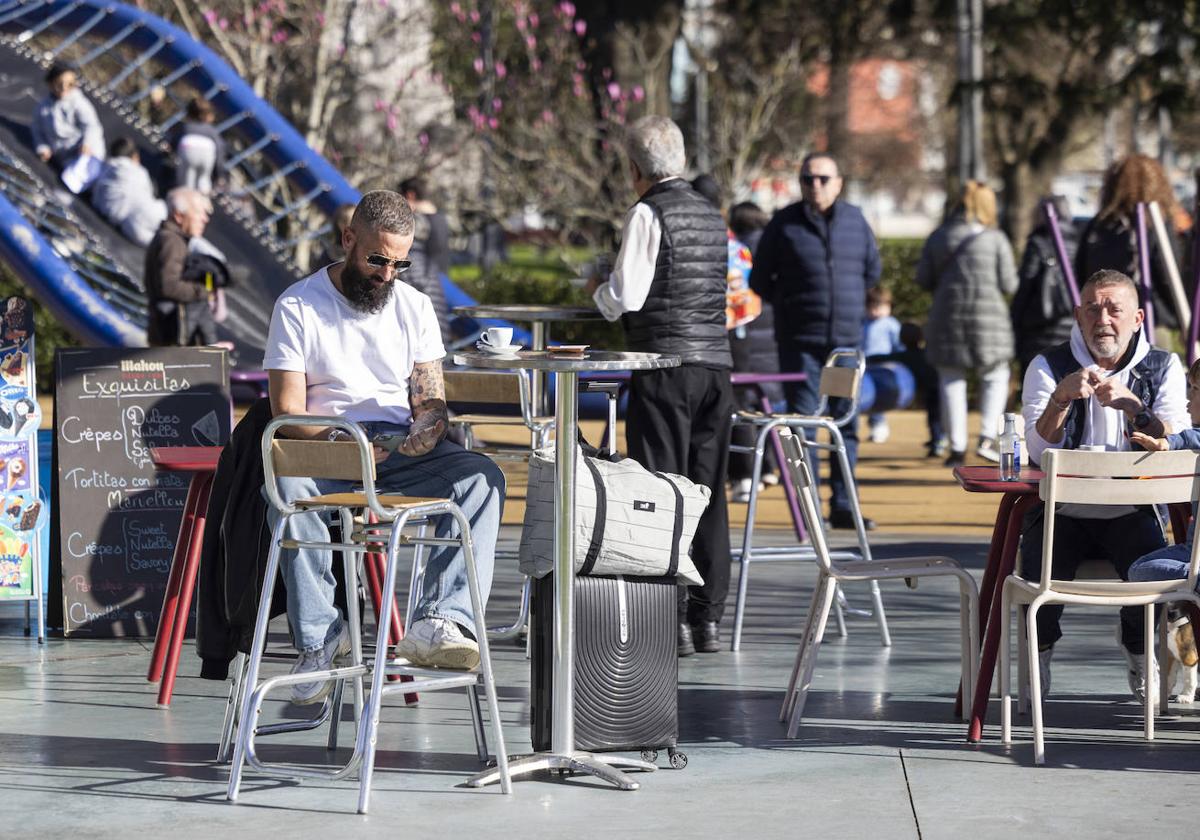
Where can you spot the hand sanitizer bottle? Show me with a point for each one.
(1010, 450)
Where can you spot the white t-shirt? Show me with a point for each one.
(357, 365)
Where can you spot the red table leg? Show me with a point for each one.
(187, 587)
(166, 618)
(373, 567)
(991, 645)
(988, 586)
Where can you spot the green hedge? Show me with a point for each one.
(899, 257)
(529, 277)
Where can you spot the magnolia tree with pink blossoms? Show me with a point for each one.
(353, 76)
(548, 123)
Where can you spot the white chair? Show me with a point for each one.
(832, 571)
(1100, 478)
(370, 523)
(841, 378)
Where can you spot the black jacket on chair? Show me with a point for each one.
(234, 557)
(237, 541)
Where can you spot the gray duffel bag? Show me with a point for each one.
(628, 520)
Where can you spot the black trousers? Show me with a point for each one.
(678, 421)
(1120, 541)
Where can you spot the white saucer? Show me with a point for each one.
(498, 351)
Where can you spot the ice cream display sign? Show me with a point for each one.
(22, 511)
(118, 520)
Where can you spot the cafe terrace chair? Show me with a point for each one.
(496, 388)
(832, 571)
(841, 378)
(1096, 478)
(509, 388)
(370, 523)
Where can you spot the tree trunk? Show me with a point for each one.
(1024, 185)
(837, 106)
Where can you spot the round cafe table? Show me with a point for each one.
(566, 368)
(539, 317)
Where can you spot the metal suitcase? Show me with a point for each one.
(626, 665)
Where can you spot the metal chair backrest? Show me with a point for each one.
(799, 473)
(351, 460)
(841, 381)
(503, 387)
(1117, 478)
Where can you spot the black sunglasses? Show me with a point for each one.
(809, 180)
(380, 261)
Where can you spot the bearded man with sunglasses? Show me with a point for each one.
(350, 341)
(814, 263)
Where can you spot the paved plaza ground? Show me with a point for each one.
(86, 752)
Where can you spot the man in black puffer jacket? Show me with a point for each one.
(814, 263)
(668, 287)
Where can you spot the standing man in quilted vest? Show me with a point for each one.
(668, 288)
(814, 264)
(1095, 390)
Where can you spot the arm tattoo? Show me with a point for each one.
(427, 392)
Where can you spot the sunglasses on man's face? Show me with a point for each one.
(380, 261)
(809, 180)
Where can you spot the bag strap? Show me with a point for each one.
(593, 552)
(673, 566)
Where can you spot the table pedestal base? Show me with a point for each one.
(603, 767)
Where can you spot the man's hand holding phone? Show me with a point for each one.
(385, 443)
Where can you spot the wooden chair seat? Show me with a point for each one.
(387, 500)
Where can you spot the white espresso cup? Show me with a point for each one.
(497, 336)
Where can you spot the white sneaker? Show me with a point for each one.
(322, 659)
(987, 450)
(879, 432)
(1044, 669)
(741, 491)
(1136, 674)
(438, 643)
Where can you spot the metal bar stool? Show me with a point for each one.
(838, 381)
(337, 460)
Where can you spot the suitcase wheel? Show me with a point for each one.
(650, 755)
(677, 758)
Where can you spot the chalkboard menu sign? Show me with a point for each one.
(117, 517)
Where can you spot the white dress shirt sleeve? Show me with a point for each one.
(629, 283)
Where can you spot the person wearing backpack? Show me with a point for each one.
(968, 265)
(1110, 239)
(1042, 311)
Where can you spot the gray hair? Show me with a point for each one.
(182, 200)
(383, 211)
(1107, 278)
(655, 145)
(811, 156)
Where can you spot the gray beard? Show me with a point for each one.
(362, 293)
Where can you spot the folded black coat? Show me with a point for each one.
(237, 541)
(234, 557)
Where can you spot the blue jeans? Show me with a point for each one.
(469, 479)
(802, 398)
(1168, 563)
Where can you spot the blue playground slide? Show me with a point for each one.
(281, 196)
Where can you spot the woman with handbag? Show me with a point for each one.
(968, 265)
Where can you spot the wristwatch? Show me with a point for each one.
(339, 434)
(1142, 420)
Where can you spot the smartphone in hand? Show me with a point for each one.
(388, 440)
